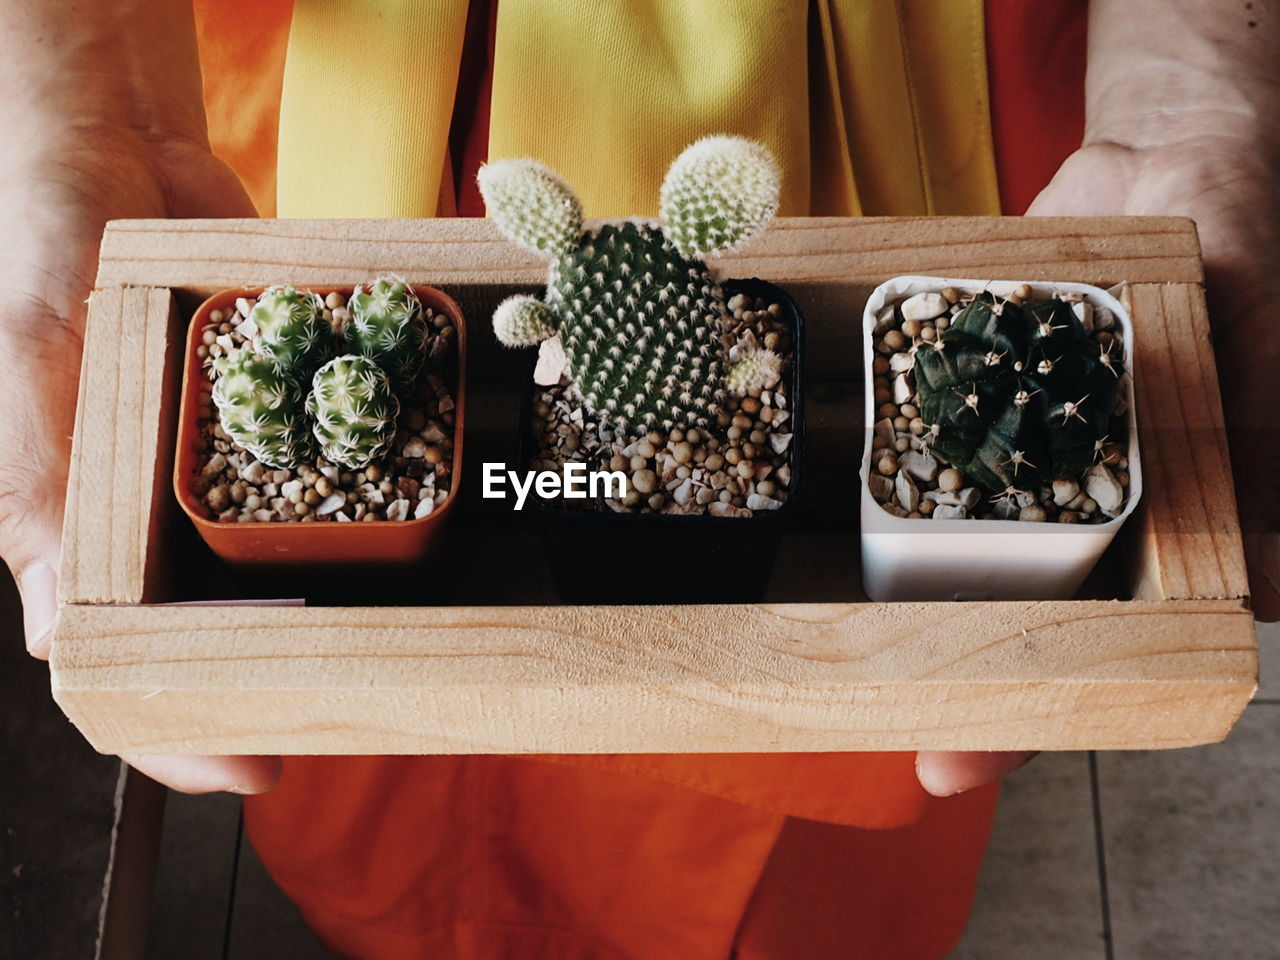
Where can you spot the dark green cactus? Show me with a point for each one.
(1018, 396)
(640, 316)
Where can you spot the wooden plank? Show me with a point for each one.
(837, 676)
(122, 450)
(1190, 532)
(206, 254)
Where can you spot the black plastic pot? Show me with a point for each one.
(600, 556)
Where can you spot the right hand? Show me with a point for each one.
(56, 195)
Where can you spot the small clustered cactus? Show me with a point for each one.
(262, 410)
(638, 312)
(354, 409)
(388, 325)
(1017, 395)
(290, 391)
(292, 332)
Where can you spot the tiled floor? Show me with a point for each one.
(1168, 855)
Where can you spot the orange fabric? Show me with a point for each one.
(242, 46)
(584, 857)
(482, 857)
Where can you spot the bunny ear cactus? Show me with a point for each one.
(1018, 396)
(292, 331)
(638, 312)
(354, 409)
(262, 410)
(388, 325)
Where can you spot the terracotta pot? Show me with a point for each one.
(289, 543)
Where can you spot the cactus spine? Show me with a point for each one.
(292, 331)
(640, 316)
(354, 410)
(1017, 396)
(262, 410)
(388, 325)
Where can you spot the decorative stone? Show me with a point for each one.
(907, 493)
(902, 391)
(552, 363)
(902, 362)
(881, 487)
(1064, 491)
(1104, 489)
(922, 466)
(945, 511)
(924, 306)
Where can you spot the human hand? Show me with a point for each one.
(84, 146)
(1225, 184)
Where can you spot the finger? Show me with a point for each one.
(946, 773)
(244, 775)
(38, 585)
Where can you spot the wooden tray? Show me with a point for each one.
(1159, 652)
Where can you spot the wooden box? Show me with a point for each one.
(1159, 652)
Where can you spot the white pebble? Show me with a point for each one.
(1064, 491)
(781, 442)
(945, 511)
(330, 504)
(902, 390)
(924, 306)
(1104, 489)
(907, 492)
(921, 465)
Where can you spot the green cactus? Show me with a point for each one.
(262, 410)
(1017, 396)
(354, 409)
(639, 313)
(755, 371)
(292, 331)
(388, 325)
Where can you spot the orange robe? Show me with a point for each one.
(751, 856)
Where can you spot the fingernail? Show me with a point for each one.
(39, 585)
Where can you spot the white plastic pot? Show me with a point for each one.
(924, 559)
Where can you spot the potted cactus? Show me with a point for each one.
(650, 368)
(1001, 453)
(309, 414)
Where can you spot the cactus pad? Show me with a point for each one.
(354, 409)
(388, 325)
(719, 193)
(262, 410)
(640, 317)
(523, 321)
(292, 331)
(1017, 396)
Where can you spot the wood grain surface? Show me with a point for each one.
(1161, 654)
(206, 254)
(1053, 675)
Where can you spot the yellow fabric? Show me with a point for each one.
(365, 108)
(871, 106)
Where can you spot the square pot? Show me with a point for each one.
(285, 543)
(910, 559)
(600, 556)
